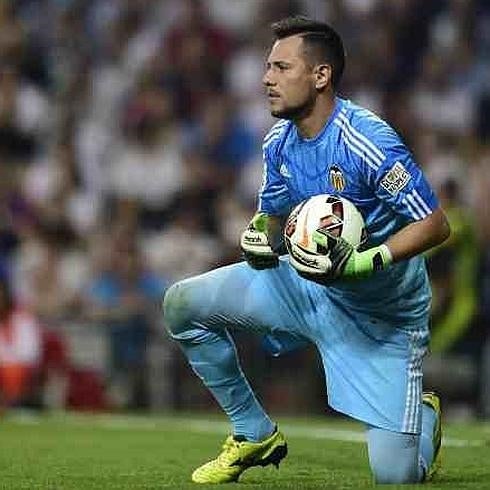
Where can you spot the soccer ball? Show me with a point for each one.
(325, 212)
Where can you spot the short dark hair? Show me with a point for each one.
(322, 42)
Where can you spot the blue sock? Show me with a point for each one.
(429, 418)
(394, 456)
(214, 359)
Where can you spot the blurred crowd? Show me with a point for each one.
(130, 136)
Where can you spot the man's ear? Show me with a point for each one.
(323, 76)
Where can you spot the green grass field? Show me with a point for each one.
(119, 452)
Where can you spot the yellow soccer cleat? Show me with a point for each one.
(432, 400)
(239, 455)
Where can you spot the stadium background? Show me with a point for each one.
(130, 157)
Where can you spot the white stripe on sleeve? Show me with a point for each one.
(374, 159)
(422, 203)
(363, 138)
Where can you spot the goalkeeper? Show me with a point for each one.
(367, 315)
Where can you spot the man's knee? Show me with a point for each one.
(178, 308)
(399, 474)
(393, 456)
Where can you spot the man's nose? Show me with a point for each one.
(266, 79)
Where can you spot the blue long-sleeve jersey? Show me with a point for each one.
(360, 157)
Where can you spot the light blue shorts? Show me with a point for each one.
(373, 365)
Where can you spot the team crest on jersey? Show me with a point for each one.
(337, 178)
(395, 179)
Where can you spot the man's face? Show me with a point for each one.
(289, 80)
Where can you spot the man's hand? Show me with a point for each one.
(347, 262)
(309, 265)
(341, 261)
(255, 243)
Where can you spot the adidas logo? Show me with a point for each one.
(283, 170)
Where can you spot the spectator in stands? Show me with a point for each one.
(147, 168)
(218, 144)
(123, 295)
(453, 271)
(20, 349)
(197, 51)
(187, 244)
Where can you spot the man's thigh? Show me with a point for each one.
(373, 368)
(237, 296)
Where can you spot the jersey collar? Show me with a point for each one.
(338, 105)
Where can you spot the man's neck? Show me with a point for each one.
(311, 124)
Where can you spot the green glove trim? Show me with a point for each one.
(364, 264)
(260, 222)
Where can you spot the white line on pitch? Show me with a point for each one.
(118, 422)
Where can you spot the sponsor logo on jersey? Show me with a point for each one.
(283, 170)
(337, 178)
(395, 179)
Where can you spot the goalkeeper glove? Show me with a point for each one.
(255, 243)
(341, 261)
(347, 262)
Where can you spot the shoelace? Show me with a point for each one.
(230, 451)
